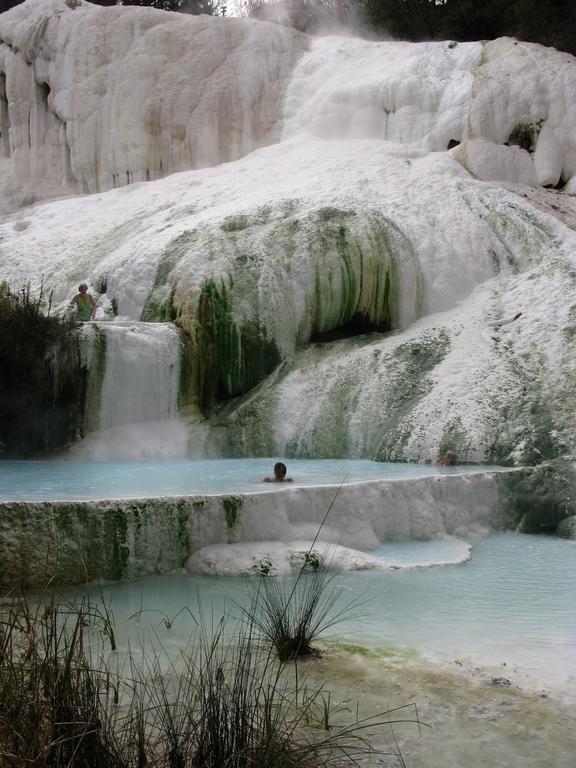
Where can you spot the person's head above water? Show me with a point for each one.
(82, 288)
(280, 470)
(279, 474)
(449, 459)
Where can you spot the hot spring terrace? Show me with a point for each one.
(71, 522)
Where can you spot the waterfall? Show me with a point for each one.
(131, 405)
(141, 378)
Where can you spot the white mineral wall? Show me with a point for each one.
(102, 97)
(532, 88)
(300, 234)
(98, 98)
(484, 96)
(71, 542)
(443, 234)
(470, 249)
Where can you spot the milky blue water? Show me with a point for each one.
(512, 606)
(60, 480)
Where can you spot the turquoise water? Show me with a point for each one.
(60, 480)
(512, 604)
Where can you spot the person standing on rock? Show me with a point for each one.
(84, 304)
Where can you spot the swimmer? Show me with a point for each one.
(279, 474)
(450, 459)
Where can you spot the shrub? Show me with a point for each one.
(41, 375)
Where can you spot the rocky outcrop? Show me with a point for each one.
(44, 543)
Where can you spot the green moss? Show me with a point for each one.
(244, 427)
(330, 213)
(228, 347)
(63, 520)
(228, 359)
(529, 428)
(365, 294)
(137, 518)
(232, 506)
(235, 223)
(242, 221)
(160, 311)
(183, 532)
(569, 330)
(454, 438)
(522, 234)
(375, 653)
(160, 304)
(115, 532)
(187, 373)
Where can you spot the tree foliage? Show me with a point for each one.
(194, 7)
(550, 22)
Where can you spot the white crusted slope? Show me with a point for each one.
(102, 97)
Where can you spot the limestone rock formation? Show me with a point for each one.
(343, 284)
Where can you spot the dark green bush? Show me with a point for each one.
(42, 379)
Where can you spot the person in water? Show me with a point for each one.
(450, 459)
(84, 304)
(279, 474)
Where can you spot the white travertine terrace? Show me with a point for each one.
(76, 541)
(96, 98)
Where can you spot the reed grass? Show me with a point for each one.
(292, 616)
(224, 702)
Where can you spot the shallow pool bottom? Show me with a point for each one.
(511, 606)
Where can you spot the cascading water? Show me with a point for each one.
(131, 405)
(141, 378)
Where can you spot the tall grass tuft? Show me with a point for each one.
(52, 700)
(291, 617)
